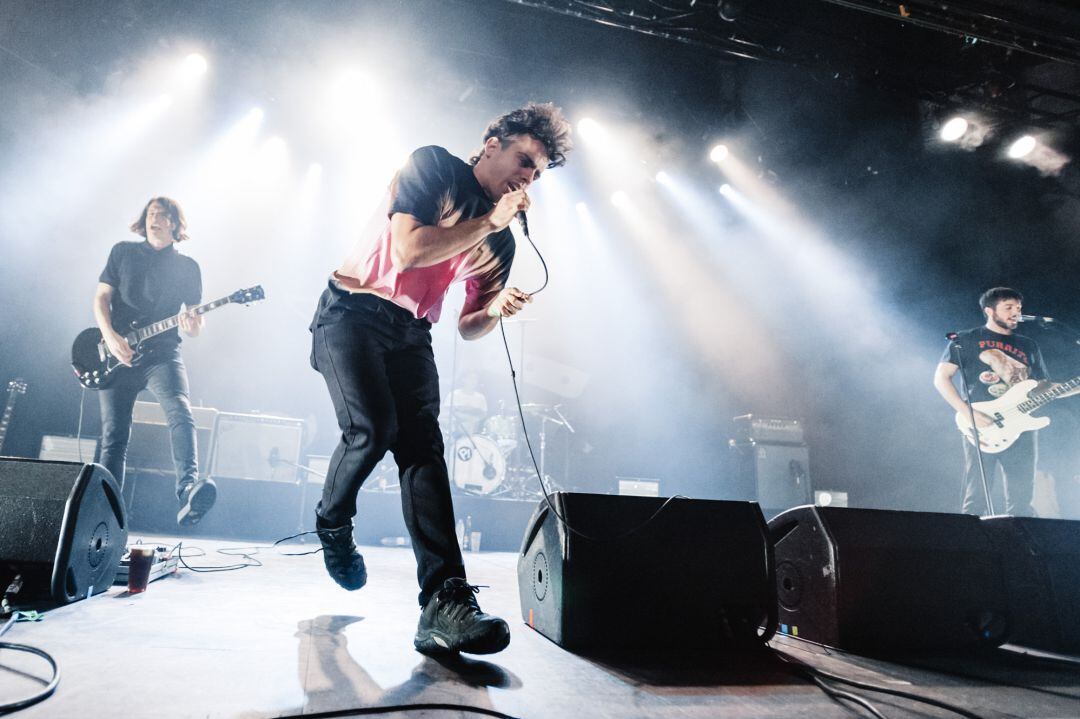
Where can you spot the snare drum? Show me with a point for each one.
(503, 428)
(478, 465)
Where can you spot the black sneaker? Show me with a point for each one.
(452, 622)
(343, 563)
(196, 499)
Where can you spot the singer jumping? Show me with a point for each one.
(371, 341)
(994, 358)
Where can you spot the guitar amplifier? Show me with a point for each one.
(775, 475)
(257, 446)
(150, 447)
(749, 428)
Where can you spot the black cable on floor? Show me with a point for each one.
(45, 693)
(398, 708)
(838, 694)
(821, 674)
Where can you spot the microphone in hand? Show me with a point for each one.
(523, 221)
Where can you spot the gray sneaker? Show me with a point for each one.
(452, 622)
(196, 499)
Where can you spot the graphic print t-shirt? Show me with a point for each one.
(438, 189)
(150, 285)
(995, 362)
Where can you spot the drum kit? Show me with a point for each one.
(495, 461)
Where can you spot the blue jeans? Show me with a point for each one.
(165, 376)
(379, 368)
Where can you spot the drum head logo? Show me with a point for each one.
(464, 453)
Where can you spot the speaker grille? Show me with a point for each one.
(540, 576)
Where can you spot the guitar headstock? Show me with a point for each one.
(251, 294)
(17, 386)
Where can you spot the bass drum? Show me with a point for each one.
(478, 465)
(503, 428)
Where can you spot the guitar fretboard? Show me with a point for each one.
(1035, 401)
(156, 328)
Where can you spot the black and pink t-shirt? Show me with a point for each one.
(438, 189)
(995, 362)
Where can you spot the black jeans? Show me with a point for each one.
(1018, 465)
(378, 365)
(165, 376)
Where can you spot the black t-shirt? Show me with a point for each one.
(995, 362)
(150, 285)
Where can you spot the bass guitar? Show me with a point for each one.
(1011, 414)
(96, 368)
(15, 388)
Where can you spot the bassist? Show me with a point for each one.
(994, 358)
(145, 282)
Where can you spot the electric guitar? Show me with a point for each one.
(96, 368)
(15, 387)
(1011, 413)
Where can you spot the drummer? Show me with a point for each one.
(467, 405)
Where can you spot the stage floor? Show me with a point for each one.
(281, 639)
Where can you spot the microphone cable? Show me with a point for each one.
(521, 416)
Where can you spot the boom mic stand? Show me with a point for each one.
(275, 460)
(954, 338)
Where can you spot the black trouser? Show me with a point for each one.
(380, 370)
(165, 376)
(1018, 465)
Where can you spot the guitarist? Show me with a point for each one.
(994, 358)
(144, 282)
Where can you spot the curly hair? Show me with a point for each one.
(171, 206)
(543, 121)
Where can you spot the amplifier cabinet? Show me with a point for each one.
(150, 447)
(257, 446)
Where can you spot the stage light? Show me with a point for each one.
(591, 130)
(718, 153)
(353, 94)
(954, 129)
(725, 190)
(663, 178)
(620, 199)
(194, 66)
(1022, 147)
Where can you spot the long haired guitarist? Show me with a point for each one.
(995, 359)
(145, 282)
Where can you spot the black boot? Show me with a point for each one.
(452, 622)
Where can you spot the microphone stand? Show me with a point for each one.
(955, 339)
(274, 460)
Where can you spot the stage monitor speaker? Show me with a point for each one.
(698, 574)
(775, 475)
(257, 446)
(869, 579)
(1041, 559)
(62, 527)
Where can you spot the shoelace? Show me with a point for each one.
(460, 600)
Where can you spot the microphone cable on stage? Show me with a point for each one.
(395, 708)
(525, 431)
(49, 688)
(818, 677)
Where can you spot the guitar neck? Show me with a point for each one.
(1035, 401)
(144, 333)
